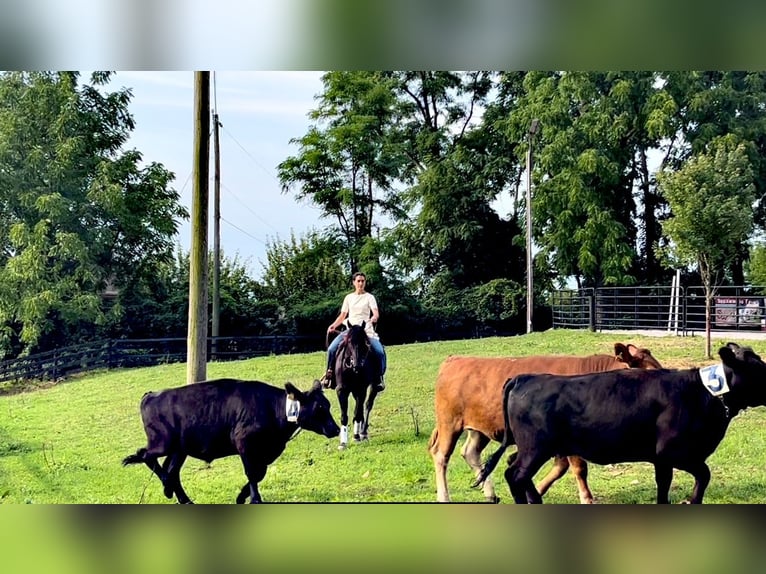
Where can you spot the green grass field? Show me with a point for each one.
(64, 444)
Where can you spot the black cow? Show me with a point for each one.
(224, 417)
(670, 418)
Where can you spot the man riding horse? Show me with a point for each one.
(359, 307)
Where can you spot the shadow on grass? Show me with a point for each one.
(11, 447)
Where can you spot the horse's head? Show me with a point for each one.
(356, 348)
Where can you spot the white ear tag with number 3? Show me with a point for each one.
(714, 380)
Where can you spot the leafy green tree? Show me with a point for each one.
(347, 162)
(591, 156)
(455, 244)
(711, 104)
(158, 308)
(77, 211)
(303, 279)
(755, 270)
(458, 241)
(711, 199)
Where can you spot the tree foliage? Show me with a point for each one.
(756, 268)
(304, 278)
(590, 160)
(77, 211)
(410, 170)
(711, 200)
(347, 161)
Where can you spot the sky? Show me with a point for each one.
(260, 112)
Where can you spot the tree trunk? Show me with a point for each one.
(708, 301)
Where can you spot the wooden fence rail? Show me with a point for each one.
(119, 353)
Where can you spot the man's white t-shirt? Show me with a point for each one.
(359, 308)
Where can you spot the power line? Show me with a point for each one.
(251, 156)
(234, 195)
(243, 231)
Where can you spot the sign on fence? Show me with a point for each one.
(744, 311)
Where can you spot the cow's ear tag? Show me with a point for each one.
(714, 380)
(291, 409)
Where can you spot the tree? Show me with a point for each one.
(711, 199)
(159, 307)
(77, 211)
(455, 244)
(715, 103)
(595, 206)
(347, 162)
(755, 271)
(303, 279)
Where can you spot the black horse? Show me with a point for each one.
(356, 368)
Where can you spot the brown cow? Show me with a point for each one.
(468, 396)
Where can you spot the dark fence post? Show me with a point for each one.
(592, 311)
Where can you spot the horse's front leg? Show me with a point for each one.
(360, 432)
(343, 403)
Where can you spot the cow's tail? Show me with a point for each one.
(134, 458)
(508, 440)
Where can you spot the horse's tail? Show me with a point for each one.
(508, 439)
(134, 458)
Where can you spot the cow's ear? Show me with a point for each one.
(727, 356)
(732, 346)
(317, 386)
(293, 392)
(621, 352)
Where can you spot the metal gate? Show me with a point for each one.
(682, 310)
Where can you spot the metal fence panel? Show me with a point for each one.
(572, 308)
(633, 307)
(733, 308)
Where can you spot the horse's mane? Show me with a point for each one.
(358, 331)
(356, 337)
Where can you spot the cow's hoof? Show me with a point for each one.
(493, 499)
(357, 438)
(342, 446)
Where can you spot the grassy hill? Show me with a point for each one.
(64, 443)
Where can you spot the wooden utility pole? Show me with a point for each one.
(196, 340)
(216, 322)
(533, 128)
